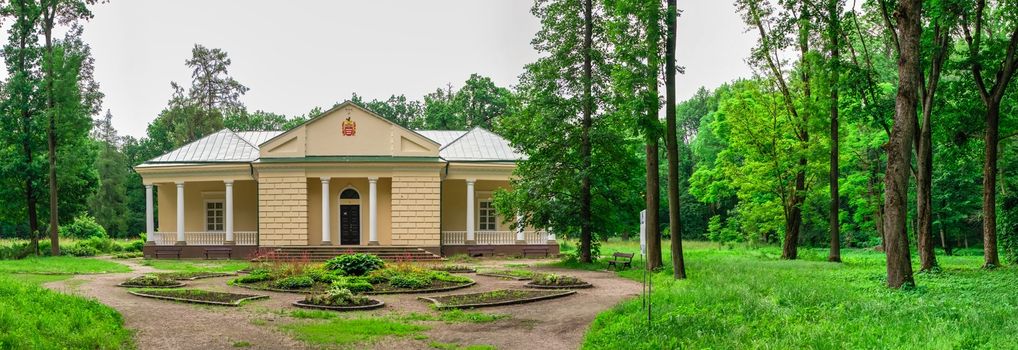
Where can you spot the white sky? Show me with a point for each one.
(296, 55)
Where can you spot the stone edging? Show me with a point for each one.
(377, 304)
(439, 305)
(211, 275)
(270, 289)
(178, 285)
(195, 301)
(572, 286)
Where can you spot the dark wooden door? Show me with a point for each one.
(349, 224)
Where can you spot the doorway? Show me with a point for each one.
(349, 217)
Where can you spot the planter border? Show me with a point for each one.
(210, 275)
(418, 291)
(270, 289)
(178, 285)
(440, 305)
(195, 301)
(376, 305)
(458, 271)
(515, 278)
(583, 285)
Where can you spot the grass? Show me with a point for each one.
(347, 331)
(32, 317)
(749, 298)
(451, 346)
(60, 265)
(241, 344)
(198, 265)
(455, 316)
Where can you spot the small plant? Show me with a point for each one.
(321, 275)
(252, 278)
(354, 284)
(410, 281)
(453, 268)
(83, 227)
(355, 264)
(129, 255)
(337, 297)
(294, 282)
(150, 281)
(549, 279)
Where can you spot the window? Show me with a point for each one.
(214, 215)
(486, 216)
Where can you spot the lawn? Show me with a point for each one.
(748, 298)
(32, 317)
(198, 265)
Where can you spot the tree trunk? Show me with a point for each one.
(30, 195)
(924, 188)
(793, 222)
(54, 218)
(586, 236)
(672, 144)
(899, 265)
(653, 205)
(835, 226)
(990, 256)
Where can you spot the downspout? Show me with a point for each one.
(441, 196)
(258, 214)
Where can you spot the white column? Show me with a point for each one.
(229, 212)
(470, 211)
(326, 221)
(521, 238)
(180, 214)
(150, 224)
(373, 210)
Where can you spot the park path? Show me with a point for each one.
(549, 325)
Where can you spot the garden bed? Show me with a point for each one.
(436, 286)
(519, 275)
(374, 305)
(198, 296)
(494, 298)
(267, 286)
(150, 282)
(454, 268)
(570, 286)
(191, 275)
(553, 281)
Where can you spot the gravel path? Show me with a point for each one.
(550, 324)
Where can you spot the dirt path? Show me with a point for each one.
(551, 324)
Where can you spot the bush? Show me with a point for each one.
(294, 282)
(354, 284)
(83, 227)
(133, 246)
(150, 281)
(447, 277)
(410, 281)
(321, 275)
(336, 296)
(252, 278)
(549, 279)
(80, 250)
(355, 264)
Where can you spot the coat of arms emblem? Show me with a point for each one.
(349, 127)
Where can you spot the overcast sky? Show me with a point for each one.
(296, 55)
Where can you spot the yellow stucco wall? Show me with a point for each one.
(454, 203)
(336, 186)
(415, 210)
(283, 209)
(245, 205)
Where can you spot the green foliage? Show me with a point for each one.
(355, 264)
(550, 279)
(61, 265)
(353, 284)
(410, 281)
(293, 282)
(150, 281)
(337, 296)
(33, 317)
(346, 331)
(198, 265)
(252, 278)
(83, 227)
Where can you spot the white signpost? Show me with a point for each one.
(643, 232)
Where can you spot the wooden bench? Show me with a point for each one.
(535, 250)
(627, 263)
(220, 252)
(480, 251)
(168, 252)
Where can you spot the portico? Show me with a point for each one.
(347, 178)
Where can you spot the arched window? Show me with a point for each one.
(349, 194)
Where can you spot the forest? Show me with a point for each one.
(875, 124)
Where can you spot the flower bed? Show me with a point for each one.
(410, 278)
(494, 298)
(454, 268)
(553, 281)
(150, 282)
(338, 299)
(358, 273)
(190, 275)
(198, 296)
(519, 275)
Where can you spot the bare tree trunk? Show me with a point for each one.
(793, 222)
(924, 205)
(672, 144)
(899, 265)
(586, 236)
(54, 217)
(835, 225)
(653, 205)
(990, 256)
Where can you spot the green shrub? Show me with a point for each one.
(150, 281)
(133, 246)
(252, 278)
(448, 277)
(354, 284)
(549, 279)
(83, 227)
(336, 296)
(321, 275)
(410, 281)
(355, 264)
(294, 282)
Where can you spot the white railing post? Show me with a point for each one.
(521, 237)
(229, 213)
(150, 225)
(181, 239)
(326, 221)
(373, 211)
(470, 212)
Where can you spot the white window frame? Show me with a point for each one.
(222, 216)
(481, 218)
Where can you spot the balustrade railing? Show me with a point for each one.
(494, 237)
(208, 238)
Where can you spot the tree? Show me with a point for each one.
(834, 34)
(973, 28)
(586, 236)
(908, 34)
(672, 145)
(108, 205)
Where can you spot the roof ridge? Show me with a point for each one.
(453, 142)
(234, 133)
